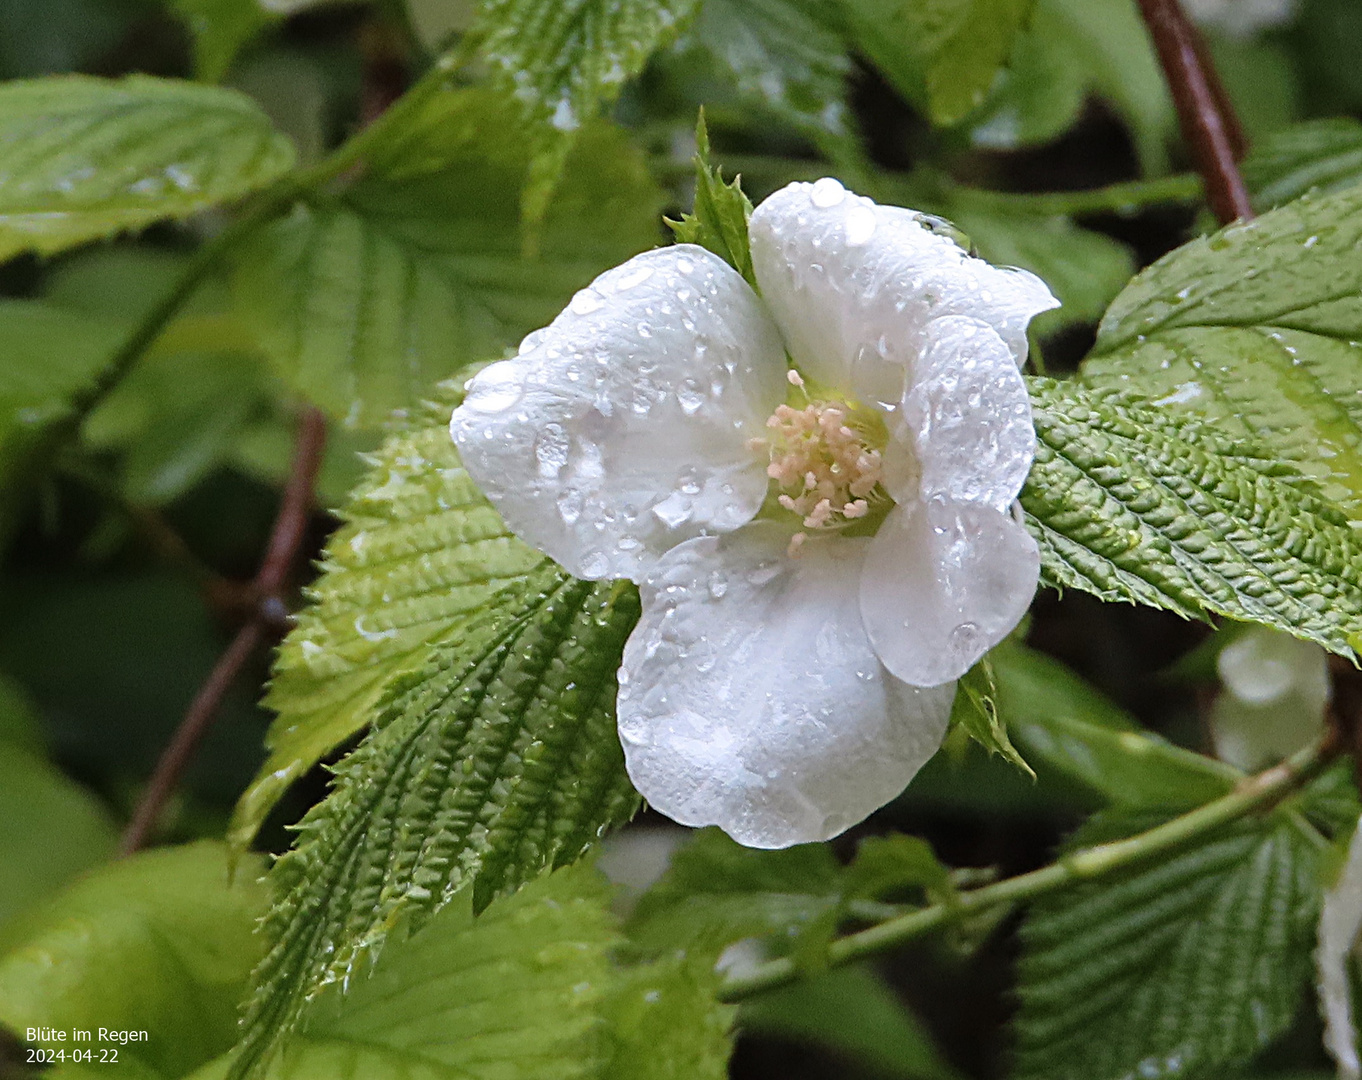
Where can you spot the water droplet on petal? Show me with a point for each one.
(859, 226)
(551, 450)
(690, 395)
(585, 302)
(827, 192)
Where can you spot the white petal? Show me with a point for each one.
(1340, 921)
(853, 286)
(621, 429)
(968, 416)
(750, 697)
(943, 583)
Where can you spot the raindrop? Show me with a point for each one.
(690, 395)
(551, 450)
(827, 192)
(860, 225)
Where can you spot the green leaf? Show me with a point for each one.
(51, 353)
(717, 892)
(958, 45)
(1257, 328)
(494, 762)
(18, 722)
(86, 158)
(852, 1012)
(50, 829)
(420, 552)
(1182, 967)
(1140, 505)
(787, 58)
(976, 710)
(157, 942)
(564, 60)
(221, 28)
(1322, 154)
(514, 992)
(1071, 49)
(721, 212)
(1065, 724)
(664, 1022)
(363, 301)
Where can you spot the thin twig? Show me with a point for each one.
(1255, 793)
(1208, 122)
(269, 612)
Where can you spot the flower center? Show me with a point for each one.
(825, 465)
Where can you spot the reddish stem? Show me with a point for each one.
(1208, 121)
(269, 611)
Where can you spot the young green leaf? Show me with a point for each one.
(364, 301)
(158, 942)
(1257, 328)
(1140, 505)
(421, 551)
(1184, 967)
(494, 762)
(976, 710)
(719, 219)
(86, 158)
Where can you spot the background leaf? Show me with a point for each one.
(363, 302)
(157, 942)
(1179, 968)
(86, 158)
(50, 827)
(1324, 155)
(851, 1011)
(1065, 724)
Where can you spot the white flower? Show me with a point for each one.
(1241, 18)
(820, 551)
(1340, 922)
(1276, 690)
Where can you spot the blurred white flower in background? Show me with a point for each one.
(822, 550)
(1241, 18)
(1340, 922)
(1276, 690)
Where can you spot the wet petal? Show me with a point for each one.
(1340, 922)
(751, 699)
(944, 582)
(853, 286)
(966, 417)
(621, 429)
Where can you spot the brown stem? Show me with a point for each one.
(1208, 122)
(269, 612)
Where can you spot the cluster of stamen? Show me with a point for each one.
(822, 467)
